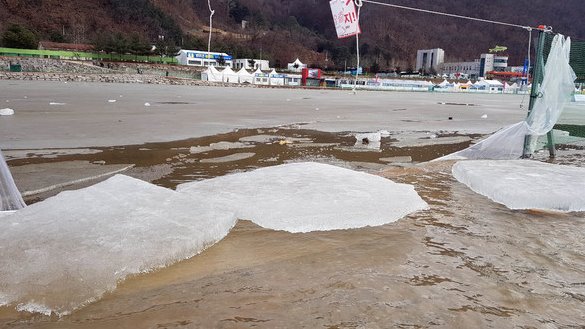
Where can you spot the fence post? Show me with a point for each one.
(534, 92)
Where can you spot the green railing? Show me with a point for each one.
(78, 55)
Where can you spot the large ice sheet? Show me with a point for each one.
(304, 197)
(70, 249)
(525, 184)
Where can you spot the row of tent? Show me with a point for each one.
(258, 77)
(492, 86)
(228, 75)
(486, 86)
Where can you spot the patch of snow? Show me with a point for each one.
(525, 184)
(56, 104)
(70, 249)
(6, 111)
(305, 197)
(111, 101)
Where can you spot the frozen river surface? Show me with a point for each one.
(85, 117)
(465, 262)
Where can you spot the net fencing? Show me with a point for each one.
(569, 132)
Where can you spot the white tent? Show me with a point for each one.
(245, 76)
(229, 75)
(444, 84)
(276, 79)
(211, 74)
(261, 78)
(296, 66)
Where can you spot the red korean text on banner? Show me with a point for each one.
(345, 18)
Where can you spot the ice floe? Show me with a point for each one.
(229, 158)
(68, 250)
(525, 184)
(304, 197)
(6, 111)
(219, 146)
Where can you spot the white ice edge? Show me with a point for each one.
(525, 184)
(97, 236)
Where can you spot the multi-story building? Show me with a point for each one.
(476, 69)
(428, 60)
(466, 70)
(204, 58)
(492, 62)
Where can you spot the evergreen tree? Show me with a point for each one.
(17, 36)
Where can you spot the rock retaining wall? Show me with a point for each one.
(111, 78)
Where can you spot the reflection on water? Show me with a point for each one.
(464, 263)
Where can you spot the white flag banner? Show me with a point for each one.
(345, 18)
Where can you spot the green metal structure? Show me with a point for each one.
(576, 127)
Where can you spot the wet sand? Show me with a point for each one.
(466, 262)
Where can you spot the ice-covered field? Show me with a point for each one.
(179, 112)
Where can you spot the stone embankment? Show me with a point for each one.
(46, 69)
(112, 78)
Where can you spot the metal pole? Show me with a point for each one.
(536, 81)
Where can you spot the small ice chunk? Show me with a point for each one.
(146, 104)
(316, 109)
(484, 116)
(199, 149)
(6, 111)
(371, 137)
(384, 133)
(68, 250)
(229, 145)
(525, 184)
(229, 158)
(219, 146)
(111, 101)
(397, 159)
(56, 104)
(305, 197)
(266, 139)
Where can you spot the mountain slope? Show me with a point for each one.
(284, 29)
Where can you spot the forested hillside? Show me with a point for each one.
(281, 30)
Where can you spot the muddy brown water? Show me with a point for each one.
(466, 262)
